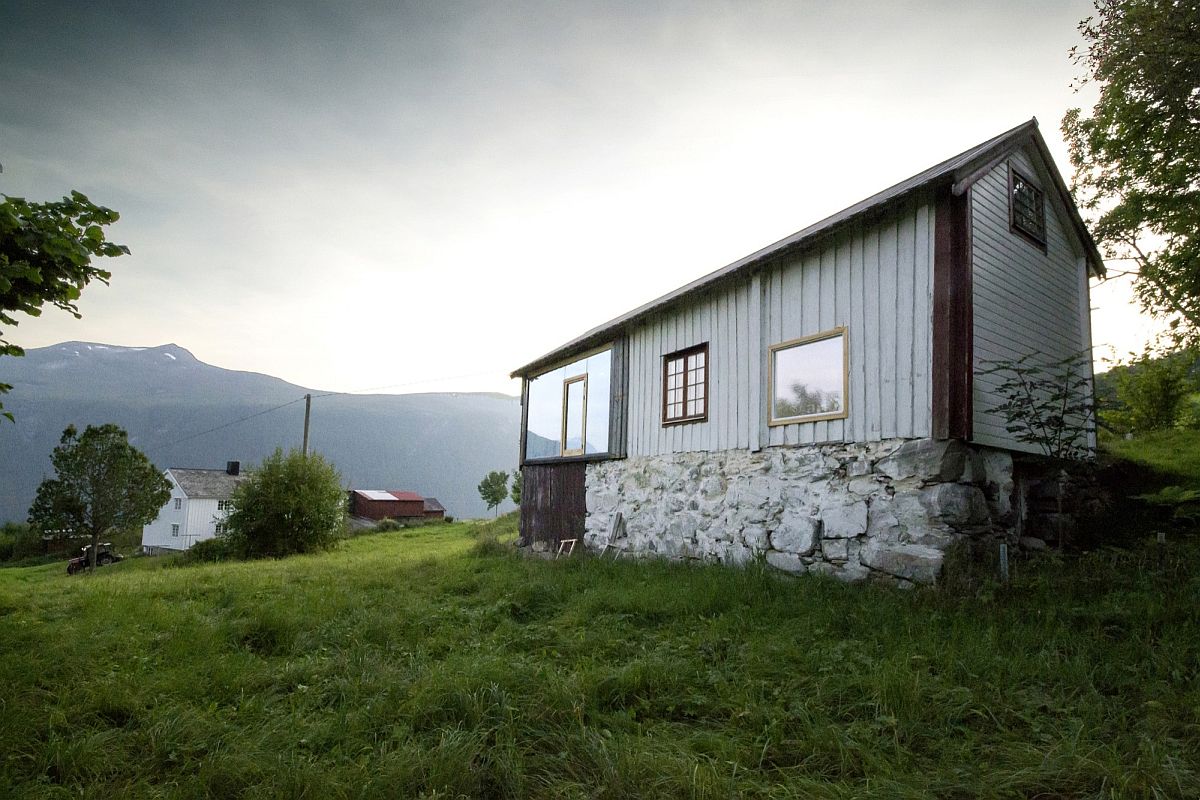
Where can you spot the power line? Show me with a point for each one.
(166, 443)
(351, 393)
(402, 385)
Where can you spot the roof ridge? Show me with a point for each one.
(944, 172)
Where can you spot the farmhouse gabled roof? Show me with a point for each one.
(387, 494)
(374, 494)
(959, 173)
(432, 504)
(206, 484)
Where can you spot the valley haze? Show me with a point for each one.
(437, 444)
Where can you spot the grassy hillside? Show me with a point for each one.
(436, 664)
(1174, 453)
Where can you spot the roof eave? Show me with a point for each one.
(975, 162)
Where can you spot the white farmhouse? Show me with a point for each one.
(827, 403)
(200, 501)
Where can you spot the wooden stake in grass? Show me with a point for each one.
(1004, 563)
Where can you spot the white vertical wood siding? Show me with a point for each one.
(158, 532)
(201, 521)
(1024, 300)
(875, 279)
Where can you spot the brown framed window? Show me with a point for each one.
(685, 385)
(1026, 208)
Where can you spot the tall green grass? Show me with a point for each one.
(1174, 453)
(436, 663)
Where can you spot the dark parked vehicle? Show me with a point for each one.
(104, 556)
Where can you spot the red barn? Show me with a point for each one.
(378, 504)
(434, 509)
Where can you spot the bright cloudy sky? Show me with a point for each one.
(427, 195)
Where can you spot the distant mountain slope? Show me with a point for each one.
(440, 445)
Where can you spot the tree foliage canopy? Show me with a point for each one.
(46, 252)
(102, 483)
(290, 504)
(494, 488)
(1137, 155)
(518, 482)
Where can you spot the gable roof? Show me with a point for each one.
(958, 173)
(384, 494)
(206, 484)
(374, 494)
(432, 504)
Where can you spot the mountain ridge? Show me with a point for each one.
(179, 410)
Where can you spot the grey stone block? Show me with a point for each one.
(844, 521)
(913, 562)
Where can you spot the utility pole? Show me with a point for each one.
(307, 411)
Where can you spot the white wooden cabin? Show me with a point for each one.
(196, 510)
(862, 334)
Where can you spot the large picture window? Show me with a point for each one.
(1027, 208)
(568, 409)
(685, 385)
(808, 378)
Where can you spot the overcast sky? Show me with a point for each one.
(427, 195)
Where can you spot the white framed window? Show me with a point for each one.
(174, 530)
(178, 503)
(224, 505)
(574, 415)
(809, 378)
(220, 528)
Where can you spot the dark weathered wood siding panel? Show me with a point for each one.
(553, 504)
(1025, 300)
(383, 509)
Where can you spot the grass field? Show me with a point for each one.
(435, 663)
(1174, 453)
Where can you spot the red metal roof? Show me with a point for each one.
(406, 496)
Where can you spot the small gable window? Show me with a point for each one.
(178, 503)
(1027, 208)
(685, 385)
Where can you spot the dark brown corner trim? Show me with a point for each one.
(953, 322)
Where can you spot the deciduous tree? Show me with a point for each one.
(494, 488)
(101, 484)
(290, 504)
(1137, 154)
(46, 252)
(518, 482)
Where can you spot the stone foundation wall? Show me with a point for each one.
(870, 510)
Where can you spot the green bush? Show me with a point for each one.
(19, 541)
(1153, 392)
(291, 504)
(210, 550)
(387, 525)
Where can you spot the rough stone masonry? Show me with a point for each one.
(885, 510)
